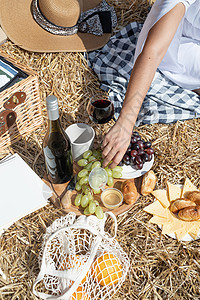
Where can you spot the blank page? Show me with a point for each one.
(21, 190)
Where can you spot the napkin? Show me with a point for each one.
(21, 191)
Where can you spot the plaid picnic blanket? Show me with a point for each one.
(165, 101)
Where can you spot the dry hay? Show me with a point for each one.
(161, 268)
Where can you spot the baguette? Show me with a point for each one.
(129, 191)
(180, 204)
(148, 183)
(189, 213)
(194, 196)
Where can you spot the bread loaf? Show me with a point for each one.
(189, 213)
(194, 196)
(129, 191)
(180, 204)
(148, 183)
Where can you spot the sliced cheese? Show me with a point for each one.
(158, 220)
(188, 187)
(174, 191)
(167, 229)
(180, 234)
(156, 209)
(195, 230)
(173, 224)
(161, 196)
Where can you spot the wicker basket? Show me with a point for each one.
(29, 113)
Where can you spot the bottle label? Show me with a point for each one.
(58, 159)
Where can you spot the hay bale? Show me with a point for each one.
(161, 268)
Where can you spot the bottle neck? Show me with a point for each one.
(54, 126)
(54, 121)
(53, 114)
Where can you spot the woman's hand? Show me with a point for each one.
(116, 143)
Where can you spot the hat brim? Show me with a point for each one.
(17, 22)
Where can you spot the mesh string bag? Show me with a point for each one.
(79, 260)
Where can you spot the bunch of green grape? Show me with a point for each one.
(92, 159)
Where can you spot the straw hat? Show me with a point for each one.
(57, 25)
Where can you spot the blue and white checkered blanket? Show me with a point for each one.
(165, 101)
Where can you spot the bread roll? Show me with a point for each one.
(148, 183)
(129, 191)
(180, 204)
(189, 213)
(194, 196)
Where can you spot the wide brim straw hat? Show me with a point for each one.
(57, 25)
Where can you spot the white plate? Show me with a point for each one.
(129, 172)
(187, 237)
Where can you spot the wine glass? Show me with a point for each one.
(98, 178)
(100, 109)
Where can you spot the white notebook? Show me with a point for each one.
(21, 191)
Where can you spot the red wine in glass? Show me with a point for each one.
(100, 110)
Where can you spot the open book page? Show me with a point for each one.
(21, 190)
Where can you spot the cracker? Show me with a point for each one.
(174, 191)
(161, 196)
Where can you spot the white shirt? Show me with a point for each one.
(181, 63)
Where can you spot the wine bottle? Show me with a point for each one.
(56, 146)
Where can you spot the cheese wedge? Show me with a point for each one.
(180, 234)
(195, 230)
(167, 229)
(161, 196)
(158, 220)
(188, 187)
(156, 209)
(174, 191)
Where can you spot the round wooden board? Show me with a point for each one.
(59, 188)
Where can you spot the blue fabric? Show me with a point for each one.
(165, 101)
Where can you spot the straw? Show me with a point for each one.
(161, 267)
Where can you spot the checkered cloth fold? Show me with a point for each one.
(165, 101)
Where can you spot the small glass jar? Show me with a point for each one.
(111, 198)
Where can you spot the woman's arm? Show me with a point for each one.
(159, 38)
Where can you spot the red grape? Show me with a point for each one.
(138, 138)
(150, 157)
(126, 158)
(128, 151)
(132, 161)
(140, 152)
(138, 159)
(145, 157)
(135, 133)
(134, 153)
(147, 145)
(134, 140)
(141, 144)
(139, 166)
(135, 147)
(149, 151)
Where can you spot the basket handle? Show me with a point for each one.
(8, 116)
(16, 99)
(7, 119)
